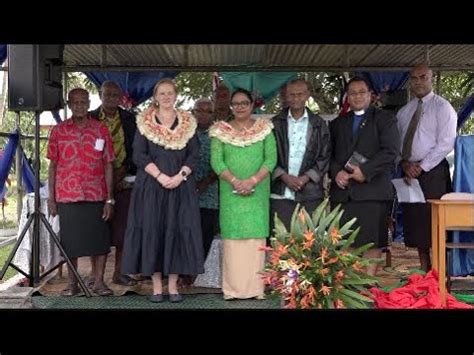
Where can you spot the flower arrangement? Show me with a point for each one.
(311, 266)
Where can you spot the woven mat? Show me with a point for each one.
(54, 285)
(403, 260)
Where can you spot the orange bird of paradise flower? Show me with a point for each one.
(324, 254)
(335, 236)
(301, 216)
(325, 290)
(357, 266)
(309, 236)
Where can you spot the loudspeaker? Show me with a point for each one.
(34, 77)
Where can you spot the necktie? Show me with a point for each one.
(408, 141)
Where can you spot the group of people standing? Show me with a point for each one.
(192, 170)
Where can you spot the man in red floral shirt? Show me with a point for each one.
(81, 187)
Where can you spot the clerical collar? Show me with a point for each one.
(359, 113)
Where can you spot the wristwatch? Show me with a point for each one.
(184, 175)
(110, 202)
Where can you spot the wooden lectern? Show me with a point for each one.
(448, 215)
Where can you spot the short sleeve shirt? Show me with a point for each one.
(81, 155)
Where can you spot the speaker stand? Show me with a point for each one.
(36, 218)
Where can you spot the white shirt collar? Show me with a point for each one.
(305, 115)
(427, 97)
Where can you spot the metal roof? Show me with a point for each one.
(266, 57)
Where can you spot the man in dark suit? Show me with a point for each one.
(370, 137)
(303, 148)
(122, 127)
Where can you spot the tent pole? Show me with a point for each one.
(65, 89)
(438, 82)
(19, 188)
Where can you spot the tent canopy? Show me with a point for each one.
(266, 57)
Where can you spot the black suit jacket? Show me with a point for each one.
(129, 126)
(315, 160)
(377, 139)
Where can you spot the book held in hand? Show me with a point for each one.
(356, 159)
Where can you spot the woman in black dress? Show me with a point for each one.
(163, 236)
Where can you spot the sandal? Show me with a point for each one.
(103, 291)
(71, 290)
(124, 280)
(89, 281)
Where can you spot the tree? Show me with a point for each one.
(193, 85)
(326, 90)
(456, 88)
(80, 80)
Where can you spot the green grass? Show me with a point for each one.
(8, 217)
(4, 252)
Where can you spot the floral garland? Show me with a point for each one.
(174, 139)
(227, 134)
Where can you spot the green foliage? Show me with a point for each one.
(193, 85)
(27, 128)
(312, 266)
(326, 89)
(4, 253)
(80, 80)
(456, 88)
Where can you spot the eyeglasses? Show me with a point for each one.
(354, 94)
(201, 111)
(243, 104)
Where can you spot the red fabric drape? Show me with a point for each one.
(421, 292)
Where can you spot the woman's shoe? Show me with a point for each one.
(156, 298)
(176, 297)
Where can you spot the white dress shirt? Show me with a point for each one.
(436, 132)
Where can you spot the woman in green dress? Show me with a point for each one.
(243, 154)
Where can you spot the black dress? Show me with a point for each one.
(163, 229)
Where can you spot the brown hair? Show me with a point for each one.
(158, 84)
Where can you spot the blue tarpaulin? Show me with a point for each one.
(3, 53)
(138, 86)
(385, 81)
(6, 161)
(463, 181)
(462, 263)
(465, 111)
(27, 174)
(7, 158)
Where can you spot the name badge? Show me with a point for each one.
(99, 144)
